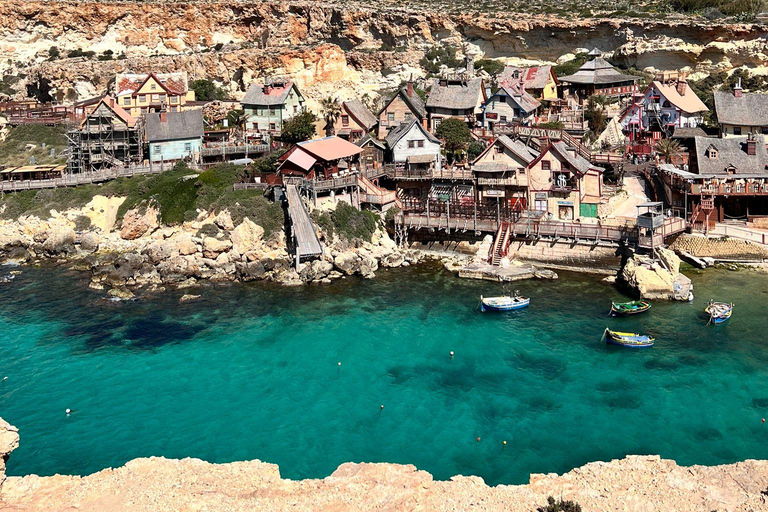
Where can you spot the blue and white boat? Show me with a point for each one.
(719, 312)
(503, 303)
(627, 339)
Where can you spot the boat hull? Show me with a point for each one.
(628, 340)
(491, 305)
(629, 308)
(719, 312)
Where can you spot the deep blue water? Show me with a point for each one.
(251, 372)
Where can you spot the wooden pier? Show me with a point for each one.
(302, 228)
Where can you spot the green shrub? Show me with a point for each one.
(324, 220)
(490, 66)
(354, 224)
(440, 55)
(299, 128)
(82, 222)
(390, 215)
(205, 90)
(560, 506)
(211, 230)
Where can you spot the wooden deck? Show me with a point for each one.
(302, 227)
(73, 180)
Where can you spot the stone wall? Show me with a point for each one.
(719, 248)
(567, 253)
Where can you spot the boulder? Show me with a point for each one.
(9, 441)
(224, 221)
(61, 239)
(89, 242)
(137, 223)
(347, 262)
(247, 237)
(251, 270)
(368, 265)
(212, 247)
(161, 250)
(650, 280)
(121, 293)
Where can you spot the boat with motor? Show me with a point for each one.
(628, 339)
(719, 312)
(504, 303)
(629, 308)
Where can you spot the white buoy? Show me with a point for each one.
(5, 379)
(68, 411)
(451, 354)
(339, 363)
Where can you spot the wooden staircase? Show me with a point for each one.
(500, 244)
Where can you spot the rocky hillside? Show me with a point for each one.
(342, 49)
(158, 484)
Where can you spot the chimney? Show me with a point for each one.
(737, 89)
(470, 59)
(163, 117)
(409, 87)
(682, 85)
(751, 144)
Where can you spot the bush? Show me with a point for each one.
(354, 224)
(474, 149)
(390, 215)
(106, 55)
(560, 506)
(53, 53)
(299, 128)
(455, 133)
(205, 90)
(211, 230)
(490, 66)
(324, 220)
(438, 56)
(80, 53)
(82, 222)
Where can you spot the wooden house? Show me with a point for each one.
(108, 136)
(412, 147)
(663, 107)
(355, 121)
(598, 77)
(509, 105)
(501, 173)
(141, 94)
(267, 106)
(563, 185)
(405, 106)
(174, 135)
(372, 156)
(320, 159)
(456, 96)
(739, 113)
(540, 81)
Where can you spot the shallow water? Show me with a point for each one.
(251, 372)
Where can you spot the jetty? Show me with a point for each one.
(303, 230)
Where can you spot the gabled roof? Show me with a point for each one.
(110, 103)
(275, 95)
(688, 102)
(366, 140)
(731, 152)
(394, 136)
(598, 72)
(578, 163)
(521, 98)
(749, 110)
(360, 112)
(517, 147)
(456, 94)
(163, 126)
(534, 77)
(329, 148)
(414, 102)
(129, 83)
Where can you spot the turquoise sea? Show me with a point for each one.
(251, 372)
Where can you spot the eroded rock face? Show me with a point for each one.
(9, 441)
(656, 280)
(137, 223)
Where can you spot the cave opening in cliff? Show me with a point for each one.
(40, 90)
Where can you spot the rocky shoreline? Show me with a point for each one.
(157, 484)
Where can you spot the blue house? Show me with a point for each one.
(174, 135)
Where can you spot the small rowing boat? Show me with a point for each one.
(629, 308)
(719, 312)
(628, 339)
(503, 303)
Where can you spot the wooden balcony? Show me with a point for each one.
(505, 182)
(753, 189)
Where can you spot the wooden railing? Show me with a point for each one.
(227, 149)
(385, 198)
(71, 180)
(730, 189)
(251, 186)
(400, 172)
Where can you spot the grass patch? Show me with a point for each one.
(348, 222)
(13, 149)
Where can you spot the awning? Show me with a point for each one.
(421, 159)
(491, 167)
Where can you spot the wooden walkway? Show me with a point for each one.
(302, 227)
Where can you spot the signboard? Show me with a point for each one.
(541, 196)
(491, 115)
(565, 203)
(539, 133)
(493, 192)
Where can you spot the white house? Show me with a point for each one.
(413, 146)
(509, 105)
(663, 107)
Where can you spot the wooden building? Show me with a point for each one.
(267, 106)
(540, 81)
(174, 136)
(140, 94)
(108, 136)
(372, 156)
(355, 121)
(563, 184)
(598, 77)
(413, 148)
(459, 96)
(320, 159)
(509, 105)
(740, 113)
(405, 106)
(501, 174)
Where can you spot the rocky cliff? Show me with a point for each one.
(158, 484)
(343, 49)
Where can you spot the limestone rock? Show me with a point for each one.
(189, 297)
(247, 237)
(137, 223)
(60, 239)
(212, 247)
(347, 262)
(395, 259)
(89, 242)
(224, 221)
(9, 441)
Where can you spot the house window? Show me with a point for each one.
(127, 101)
(521, 171)
(390, 116)
(502, 98)
(764, 130)
(272, 126)
(188, 147)
(157, 150)
(295, 109)
(499, 149)
(503, 119)
(411, 144)
(152, 87)
(712, 153)
(272, 111)
(420, 143)
(173, 109)
(173, 99)
(545, 165)
(344, 120)
(142, 98)
(408, 116)
(454, 112)
(737, 130)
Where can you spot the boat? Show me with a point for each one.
(719, 312)
(503, 303)
(629, 308)
(628, 339)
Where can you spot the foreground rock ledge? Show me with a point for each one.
(636, 483)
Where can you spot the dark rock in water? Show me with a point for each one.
(250, 271)
(130, 261)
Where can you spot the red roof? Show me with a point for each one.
(330, 148)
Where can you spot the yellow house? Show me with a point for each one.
(154, 92)
(540, 81)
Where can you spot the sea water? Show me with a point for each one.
(252, 372)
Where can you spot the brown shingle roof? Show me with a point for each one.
(749, 110)
(360, 112)
(731, 152)
(455, 94)
(275, 95)
(162, 126)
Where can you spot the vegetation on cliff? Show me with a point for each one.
(348, 222)
(42, 139)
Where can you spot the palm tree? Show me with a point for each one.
(668, 148)
(331, 112)
(594, 112)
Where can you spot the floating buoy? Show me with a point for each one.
(5, 379)
(478, 439)
(451, 354)
(381, 408)
(68, 411)
(339, 363)
(763, 420)
(504, 443)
